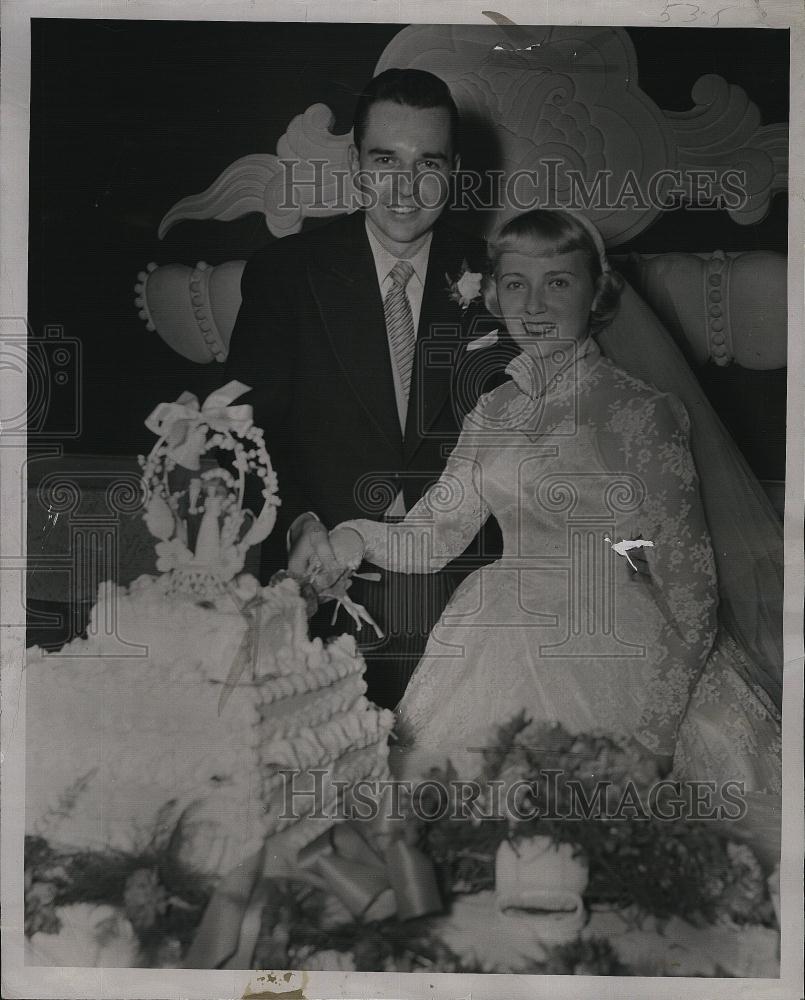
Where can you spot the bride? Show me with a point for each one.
(583, 466)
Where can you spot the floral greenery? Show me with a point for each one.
(296, 933)
(298, 923)
(683, 867)
(646, 865)
(590, 957)
(462, 850)
(164, 917)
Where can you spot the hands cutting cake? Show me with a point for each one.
(327, 561)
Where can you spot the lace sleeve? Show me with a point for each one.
(650, 437)
(442, 524)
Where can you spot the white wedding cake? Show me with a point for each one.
(169, 726)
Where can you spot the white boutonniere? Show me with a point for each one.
(466, 288)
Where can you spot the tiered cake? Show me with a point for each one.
(312, 719)
(167, 727)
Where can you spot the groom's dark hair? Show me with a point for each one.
(414, 88)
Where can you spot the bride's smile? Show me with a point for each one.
(544, 295)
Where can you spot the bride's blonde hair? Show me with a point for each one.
(565, 232)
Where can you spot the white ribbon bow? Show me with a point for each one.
(177, 421)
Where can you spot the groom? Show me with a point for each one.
(350, 337)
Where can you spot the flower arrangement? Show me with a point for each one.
(140, 899)
(667, 872)
(299, 931)
(663, 867)
(525, 883)
(670, 873)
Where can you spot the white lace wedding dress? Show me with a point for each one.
(561, 626)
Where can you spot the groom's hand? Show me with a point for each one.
(348, 547)
(310, 552)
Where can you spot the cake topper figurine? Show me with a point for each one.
(196, 477)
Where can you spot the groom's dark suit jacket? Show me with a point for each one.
(310, 338)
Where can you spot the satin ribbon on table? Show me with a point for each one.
(226, 932)
(374, 874)
(374, 870)
(176, 421)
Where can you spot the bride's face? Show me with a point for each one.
(544, 296)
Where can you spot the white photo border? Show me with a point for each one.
(19, 980)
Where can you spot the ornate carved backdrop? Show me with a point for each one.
(562, 105)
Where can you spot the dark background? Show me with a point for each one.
(127, 117)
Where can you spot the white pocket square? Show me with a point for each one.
(486, 341)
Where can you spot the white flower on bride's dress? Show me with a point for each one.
(466, 288)
(488, 340)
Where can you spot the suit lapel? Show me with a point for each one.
(343, 282)
(438, 340)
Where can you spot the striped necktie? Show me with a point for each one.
(400, 324)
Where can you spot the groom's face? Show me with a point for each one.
(403, 168)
